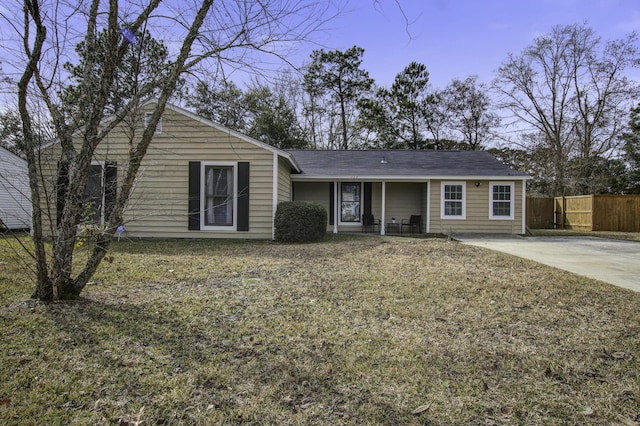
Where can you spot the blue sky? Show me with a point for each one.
(458, 38)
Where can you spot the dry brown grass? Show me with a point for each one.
(370, 330)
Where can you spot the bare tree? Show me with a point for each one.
(49, 32)
(470, 109)
(570, 86)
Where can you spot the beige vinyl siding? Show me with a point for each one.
(284, 180)
(158, 205)
(317, 192)
(477, 211)
(159, 202)
(48, 163)
(405, 199)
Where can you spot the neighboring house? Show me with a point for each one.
(15, 198)
(201, 180)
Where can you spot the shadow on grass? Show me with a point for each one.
(194, 365)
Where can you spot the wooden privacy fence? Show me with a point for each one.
(586, 212)
(540, 213)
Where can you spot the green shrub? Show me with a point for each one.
(300, 222)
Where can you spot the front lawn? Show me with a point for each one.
(354, 330)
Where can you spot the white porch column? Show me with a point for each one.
(336, 207)
(384, 208)
(428, 215)
(524, 206)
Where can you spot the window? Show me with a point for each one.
(453, 200)
(350, 202)
(100, 192)
(93, 196)
(218, 200)
(218, 197)
(501, 200)
(147, 117)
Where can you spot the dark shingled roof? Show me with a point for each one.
(400, 163)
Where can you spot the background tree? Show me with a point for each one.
(375, 120)
(221, 102)
(470, 108)
(407, 99)
(273, 120)
(234, 28)
(532, 158)
(143, 68)
(339, 74)
(398, 115)
(570, 87)
(632, 152)
(11, 132)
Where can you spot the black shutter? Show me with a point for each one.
(194, 195)
(332, 204)
(243, 196)
(367, 197)
(110, 188)
(62, 186)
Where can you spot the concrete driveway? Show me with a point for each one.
(612, 261)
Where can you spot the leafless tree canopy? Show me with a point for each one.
(96, 36)
(569, 86)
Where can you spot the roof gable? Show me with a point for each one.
(232, 132)
(179, 110)
(9, 159)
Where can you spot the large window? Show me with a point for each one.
(350, 202)
(94, 196)
(453, 200)
(501, 200)
(218, 199)
(99, 193)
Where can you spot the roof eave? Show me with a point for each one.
(396, 178)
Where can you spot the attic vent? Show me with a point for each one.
(383, 161)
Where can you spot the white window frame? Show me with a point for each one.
(512, 201)
(443, 200)
(147, 117)
(359, 221)
(203, 198)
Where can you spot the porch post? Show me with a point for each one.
(336, 208)
(384, 207)
(428, 215)
(524, 206)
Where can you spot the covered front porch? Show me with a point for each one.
(351, 204)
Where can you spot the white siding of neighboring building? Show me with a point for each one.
(15, 199)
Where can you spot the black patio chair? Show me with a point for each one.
(368, 221)
(414, 223)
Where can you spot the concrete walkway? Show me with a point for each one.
(612, 261)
